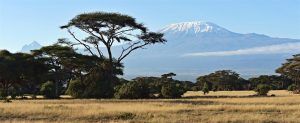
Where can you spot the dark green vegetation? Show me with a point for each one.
(291, 70)
(262, 89)
(59, 69)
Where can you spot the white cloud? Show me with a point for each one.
(272, 49)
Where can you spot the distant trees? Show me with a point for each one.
(223, 80)
(54, 70)
(291, 70)
(227, 80)
(274, 81)
(153, 87)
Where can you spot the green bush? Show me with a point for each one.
(98, 89)
(98, 85)
(75, 89)
(132, 90)
(48, 90)
(95, 85)
(262, 89)
(292, 87)
(171, 90)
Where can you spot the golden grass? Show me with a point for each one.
(228, 107)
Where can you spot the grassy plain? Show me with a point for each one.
(223, 106)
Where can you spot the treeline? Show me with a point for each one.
(58, 69)
(227, 80)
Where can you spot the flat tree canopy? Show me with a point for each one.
(107, 29)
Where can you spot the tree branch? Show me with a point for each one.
(85, 45)
(130, 49)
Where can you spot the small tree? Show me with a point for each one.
(205, 89)
(48, 90)
(168, 75)
(262, 89)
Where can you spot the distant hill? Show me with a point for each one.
(32, 46)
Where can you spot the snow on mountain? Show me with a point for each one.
(32, 46)
(193, 27)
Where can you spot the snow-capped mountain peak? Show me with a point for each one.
(193, 27)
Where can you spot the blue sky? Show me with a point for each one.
(24, 21)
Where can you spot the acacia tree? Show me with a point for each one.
(18, 69)
(107, 29)
(54, 56)
(291, 70)
(168, 75)
(222, 80)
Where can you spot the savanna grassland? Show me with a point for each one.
(223, 106)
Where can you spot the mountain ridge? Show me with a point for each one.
(32, 46)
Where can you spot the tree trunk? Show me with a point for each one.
(111, 64)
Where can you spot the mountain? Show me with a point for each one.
(197, 48)
(207, 36)
(32, 46)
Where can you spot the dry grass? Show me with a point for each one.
(215, 107)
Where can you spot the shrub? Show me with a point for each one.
(2, 94)
(48, 90)
(205, 89)
(171, 90)
(132, 90)
(75, 89)
(262, 89)
(13, 92)
(98, 89)
(292, 87)
(97, 85)
(196, 88)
